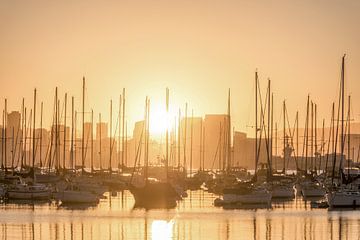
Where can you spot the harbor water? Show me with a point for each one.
(195, 217)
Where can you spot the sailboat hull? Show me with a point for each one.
(233, 196)
(29, 192)
(343, 199)
(155, 195)
(283, 192)
(313, 192)
(70, 196)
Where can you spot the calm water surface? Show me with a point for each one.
(194, 218)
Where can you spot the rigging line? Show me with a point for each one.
(216, 153)
(305, 143)
(50, 146)
(15, 147)
(262, 114)
(262, 127)
(291, 135)
(112, 141)
(332, 125)
(336, 135)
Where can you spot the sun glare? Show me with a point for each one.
(159, 121)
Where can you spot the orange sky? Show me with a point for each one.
(198, 49)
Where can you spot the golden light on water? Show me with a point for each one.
(162, 230)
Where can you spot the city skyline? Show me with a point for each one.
(214, 154)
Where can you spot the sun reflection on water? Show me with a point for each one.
(161, 229)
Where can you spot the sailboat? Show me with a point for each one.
(248, 192)
(312, 189)
(344, 197)
(280, 185)
(83, 189)
(348, 194)
(28, 191)
(152, 193)
(74, 193)
(32, 191)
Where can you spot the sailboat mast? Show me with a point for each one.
(33, 141)
(297, 134)
(23, 120)
(72, 132)
(221, 167)
(123, 157)
(342, 110)
(272, 129)
(348, 135)
(110, 136)
(306, 133)
(268, 127)
(120, 161)
(92, 140)
(185, 133)
(100, 164)
(167, 136)
(83, 128)
(5, 124)
(30, 152)
(315, 133)
(12, 149)
(276, 146)
(64, 147)
(312, 137)
(284, 136)
(256, 120)
(229, 165)
(58, 130)
(147, 138)
(179, 138)
(333, 128)
(191, 141)
(75, 137)
(41, 131)
(2, 139)
(126, 137)
(55, 128)
(224, 144)
(203, 149)
(200, 148)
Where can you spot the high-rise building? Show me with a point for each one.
(216, 141)
(13, 137)
(13, 121)
(102, 128)
(196, 142)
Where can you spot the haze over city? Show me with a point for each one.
(197, 49)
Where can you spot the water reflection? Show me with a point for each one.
(194, 218)
(161, 229)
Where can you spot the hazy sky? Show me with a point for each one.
(198, 49)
